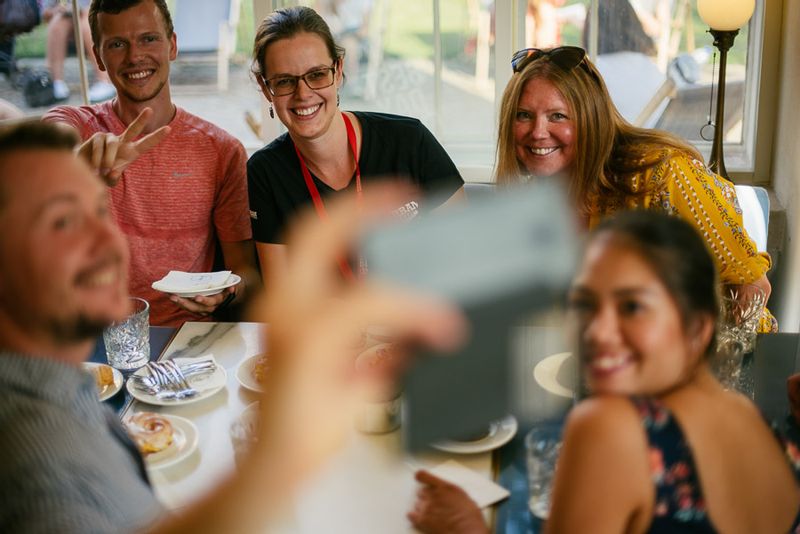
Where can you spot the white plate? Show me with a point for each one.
(506, 429)
(244, 374)
(206, 386)
(232, 280)
(184, 442)
(109, 390)
(546, 374)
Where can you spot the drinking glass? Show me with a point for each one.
(542, 445)
(244, 433)
(740, 312)
(128, 342)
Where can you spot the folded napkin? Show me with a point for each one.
(181, 281)
(196, 374)
(793, 389)
(480, 489)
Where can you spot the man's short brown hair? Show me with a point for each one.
(34, 135)
(115, 7)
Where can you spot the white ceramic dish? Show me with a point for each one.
(109, 390)
(206, 386)
(244, 374)
(546, 374)
(184, 442)
(504, 431)
(232, 280)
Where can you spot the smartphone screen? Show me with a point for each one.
(499, 257)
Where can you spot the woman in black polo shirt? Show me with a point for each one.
(299, 68)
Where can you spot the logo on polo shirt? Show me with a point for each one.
(254, 215)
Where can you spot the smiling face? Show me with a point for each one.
(307, 113)
(632, 338)
(135, 49)
(544, 129)
(63, 268)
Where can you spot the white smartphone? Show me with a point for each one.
(499, 257)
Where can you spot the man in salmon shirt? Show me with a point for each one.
(177, 182)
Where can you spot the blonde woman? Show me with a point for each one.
(557, 117)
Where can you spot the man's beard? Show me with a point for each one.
(77, 329)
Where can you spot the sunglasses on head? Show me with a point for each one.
(565, 57)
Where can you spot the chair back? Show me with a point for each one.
(754, 202)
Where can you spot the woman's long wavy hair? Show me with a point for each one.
(608, 148)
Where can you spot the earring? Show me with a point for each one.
(271, 113)
(337, 99)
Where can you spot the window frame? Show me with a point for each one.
(748, 161)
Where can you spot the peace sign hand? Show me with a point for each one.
(110, 154)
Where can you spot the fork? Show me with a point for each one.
(173, 381)
(176, 371)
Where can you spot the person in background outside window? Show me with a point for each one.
(557, 118)
(177, 182)
(326, 151)
(59, 18)
(543, 25)
(660, 446)
(349, 24)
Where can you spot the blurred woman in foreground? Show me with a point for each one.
(660, 446)
(557, 118)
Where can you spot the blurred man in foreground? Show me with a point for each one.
(67, 464)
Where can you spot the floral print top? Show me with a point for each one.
(681, 185)
(679, 504)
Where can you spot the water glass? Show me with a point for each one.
(244, 434)
(727, 362)
(128, 342)
(742, 307)
(542, 445)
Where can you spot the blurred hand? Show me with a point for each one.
(443, 507)
(110, 155)
(312, 390)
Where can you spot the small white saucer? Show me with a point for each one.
(184, 442)
(109, 390)
(244, 374)
(505, 430)
(232, 280)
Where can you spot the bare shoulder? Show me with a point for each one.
(609, 423)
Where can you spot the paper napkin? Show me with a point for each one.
(481, 490)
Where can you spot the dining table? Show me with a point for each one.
(368, 486)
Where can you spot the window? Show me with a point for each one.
(446, 62)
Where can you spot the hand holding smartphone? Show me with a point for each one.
(499, 257)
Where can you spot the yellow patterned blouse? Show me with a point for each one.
(682, 185)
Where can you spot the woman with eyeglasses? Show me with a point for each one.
(557, 118)
(326, 150)
(660, 446)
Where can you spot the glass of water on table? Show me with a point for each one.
(542, 446)
(128, 342)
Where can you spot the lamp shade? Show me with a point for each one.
(725, 15)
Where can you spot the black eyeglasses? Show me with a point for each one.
(565, 57)
(315, 79)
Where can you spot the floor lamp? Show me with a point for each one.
(724, 18)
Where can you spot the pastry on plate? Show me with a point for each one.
(260, 369)
(103, 376)
(150, 431)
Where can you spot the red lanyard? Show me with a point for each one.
(319, 206)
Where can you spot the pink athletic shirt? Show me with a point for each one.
(174, 201)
